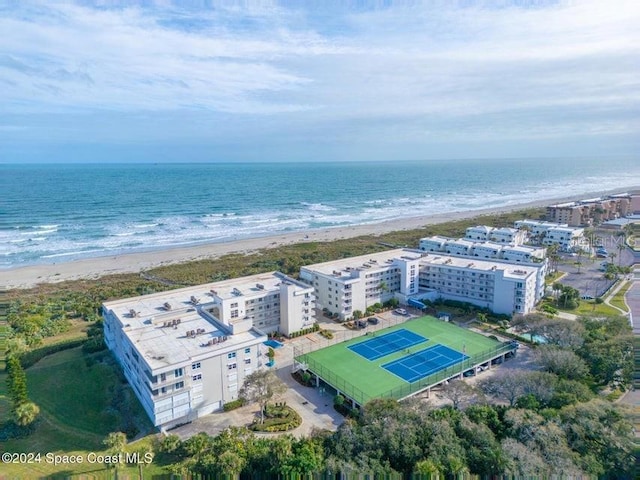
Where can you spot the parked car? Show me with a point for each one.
(469, 373)
(361, 324)
(586, 297)
(401, 311)
(373, 320)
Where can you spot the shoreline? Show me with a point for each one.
(136, 262)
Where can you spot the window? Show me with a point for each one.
(179, 385)
(231, 355)
(234, 305)
(234, 313)
(232, 366)
(247, 350)
(195, 366)
(178, 372)
(233, 388)
(247, 361)
(197, 377)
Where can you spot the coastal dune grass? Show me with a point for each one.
(286, 258)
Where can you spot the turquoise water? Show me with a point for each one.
(57, 213)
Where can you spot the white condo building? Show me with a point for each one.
(567, 238)
(186, 352)
(343, 286)
(350, 284)
(505, 235)
(483, 249)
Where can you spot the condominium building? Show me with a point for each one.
(186, 352)
(500, 287)
(483, 249)
(546, 233)
(593, 211)
(346, 285)
(503, 235)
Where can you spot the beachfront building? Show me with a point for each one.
(500, 287)
(350, 284)
(483, 249)
(344, 286)
(505, 235)
(593, 211)
(186, 352)
(547, 233)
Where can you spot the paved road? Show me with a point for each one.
(633, 300)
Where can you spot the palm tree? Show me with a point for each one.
(620, 249)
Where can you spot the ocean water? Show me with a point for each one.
(58, 213)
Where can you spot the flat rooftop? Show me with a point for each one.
(510, 270)
(165, 346)
(367, 262)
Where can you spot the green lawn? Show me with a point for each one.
(618, 298)
(363, 380)
(590, 307)
(75, 392)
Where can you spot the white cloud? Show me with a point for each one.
(419, 70)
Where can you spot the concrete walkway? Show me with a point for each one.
(315, 406)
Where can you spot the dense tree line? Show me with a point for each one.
(537, 424)
(592, 350)
(394, 440)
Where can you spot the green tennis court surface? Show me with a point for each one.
(363, 379)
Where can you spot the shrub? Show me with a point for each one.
(30, 358)
(232, 405)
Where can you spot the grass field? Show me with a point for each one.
(362, 380)
(77, 394)
(590, 307)
(618, 298)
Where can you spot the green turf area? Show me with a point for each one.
(362, 379)
(82, 398)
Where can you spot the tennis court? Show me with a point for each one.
(383, 345)
(363, 378)
(418, 365)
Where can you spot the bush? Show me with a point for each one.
(232, 405)
(32, 357)
(326, 334)
(279, 418)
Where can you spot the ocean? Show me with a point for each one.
(58, 213)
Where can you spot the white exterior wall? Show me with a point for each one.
(175, 392)
(479, 233)
(459, 247)
(487, 289)
(486, 251)
(296, 308)
(510, 236)
(433, 244)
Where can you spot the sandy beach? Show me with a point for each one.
(30, 276)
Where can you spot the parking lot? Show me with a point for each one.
(588, 277)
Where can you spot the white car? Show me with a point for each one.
(401, 311)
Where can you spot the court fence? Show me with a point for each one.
(303, 361)
(346, 335)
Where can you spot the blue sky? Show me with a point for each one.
(319, 80)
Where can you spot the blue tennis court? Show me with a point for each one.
(382, 345)
(424, 362)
